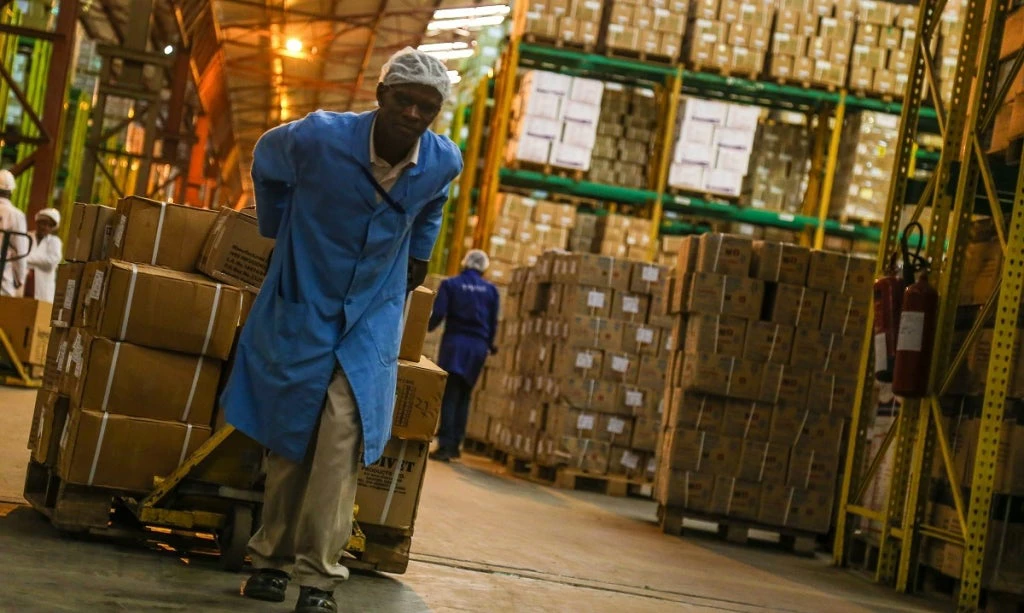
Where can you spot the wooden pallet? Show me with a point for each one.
(70, 508)
(727, 72)
(889, 98)
(860, 221)
(476, 447)
(568, 478)
(643, 56)
(559, 43)
(548, 169)
(737, 531)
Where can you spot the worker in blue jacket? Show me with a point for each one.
(469, 305)
(355, 205)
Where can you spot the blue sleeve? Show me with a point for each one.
(273, 176)
(427, 226)
(495, 307)
(440, 307)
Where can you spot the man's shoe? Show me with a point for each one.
(312, 600)
(441, 455)
(454, 454)
(266, 584)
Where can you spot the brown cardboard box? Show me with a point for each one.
(620, 367)
(713, 294)
(642, 339)
(784, 385)
(595, 270)
(845, 314)
(587, 455)
(793, 305)
(615, 429)
(687, 489)
(56, 358)
(764, 462)
(583, 300)
(582, 363)
(88, 233)
(69, 280)
(1013, 34)
(813, 470)
(590, 394)
(235, 252)
(594, 333)
(822, 432)
(645, 434)
(652, 372)
(787, 424)
(110, 377)
(722, 375)
(798, 508)
(160, 233)
(780, 262)
(51, 413)
(746, 419)
(718, 334)
(27, 324)
(724, 254)
(768, 342)
(630, 307)
(686, 262)
(627, 463)
(418, 402)
(417, 317)
(832, 393)
(389, 489)
(647, 278)
(810, 348)
(563, 420)
(124, 453)
(736, 498)
(161, 308)
(841, 273)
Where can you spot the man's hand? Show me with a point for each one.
(417, 274)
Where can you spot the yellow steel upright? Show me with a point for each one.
(830, 169)
(675, 88)
(812, 197)
(471, 161)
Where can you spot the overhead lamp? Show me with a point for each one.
(169, 49)
(455, 54)
(454, 76)
(293, 45)
(432, 47)
(470, 12)
(469, 22)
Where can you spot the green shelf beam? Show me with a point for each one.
(687, 205)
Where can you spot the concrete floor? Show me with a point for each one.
(484, 542)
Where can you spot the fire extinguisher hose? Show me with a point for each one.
(913, 261)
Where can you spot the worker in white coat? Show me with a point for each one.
(45, 257)
(12, 220)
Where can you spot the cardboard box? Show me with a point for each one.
(26, 322)
(793, 305)
(787, 424)
(235, 252)
(653, 371)
(418, 400)
(712, 293)
(582, 363)
(389, 489)
(88, 233)
(594, 333)
(724, 254)
(163, 309)
(616, 429)
(821, 432)
(626, 462)
(735, 498)
(840, 273)
(687, 489)
(642, 339)
(746, 419)
(780, 262)
(596, 270)
(630, 307)
(586, 455)
(832, 393)
(764, 462)
(768, 342)
(51, 413)
(417, 317)
(591, 394)
(793, 507)
(109, 377)
(718, 334)
(845, 314)
(813, 470)
(645, 434)
(160, 233)
(647, 278)
(124, 453)
(56, 358)
(784, 385)
(1013, 34)
(65, 297)
(620, 367)
(722, 375)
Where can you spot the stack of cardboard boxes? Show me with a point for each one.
(951, 33)
(573, 22)
(651, 29)
(812, 40)
(779, 168)
(731, 36)
(526, 228)
(622, 236)
(1009, 123)
(865, 167)
(554, 120)
(886, 35)
(760, 390)
(625, 136)
(713, 146)
(668, 250)
(584, 366)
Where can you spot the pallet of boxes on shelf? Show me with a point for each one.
(812, 42)
(865, 167)
(526, 228)
(554, 123)
(779, 165)
(574, 24)
(1008, 127)
(880, 61)
(649, 30)
(625, 136)
(759, 393)
(714, 141)
(730, 37)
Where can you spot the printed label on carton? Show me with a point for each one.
(630, 304)
(69, 294)
(585, 422)
(616, 425)
(584, 360)
(595, 300)
(620, 364)
(645, 336)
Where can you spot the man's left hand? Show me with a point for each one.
(417, 274)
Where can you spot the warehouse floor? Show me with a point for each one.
(485, 542)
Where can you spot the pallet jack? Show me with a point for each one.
(12, 370)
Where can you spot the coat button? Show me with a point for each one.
(348, 302)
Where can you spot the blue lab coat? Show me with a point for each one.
(469, 304)
(335, 287)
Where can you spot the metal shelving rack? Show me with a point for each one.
(916, 433)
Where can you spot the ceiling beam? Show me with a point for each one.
(368, 53)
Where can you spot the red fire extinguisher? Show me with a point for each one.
(916, 336)
(888, 294)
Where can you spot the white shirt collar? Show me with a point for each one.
(411, 159)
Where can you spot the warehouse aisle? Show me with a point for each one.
(485, 542)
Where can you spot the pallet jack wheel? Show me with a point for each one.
(235, 537)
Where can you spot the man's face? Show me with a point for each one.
(406, 111)
(45, 226)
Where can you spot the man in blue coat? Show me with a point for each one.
(354, 203)
(469, 304)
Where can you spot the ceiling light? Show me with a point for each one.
(455, 54)
(293, 45)
(454, 76)
(169, 49)
(476, 11)
(431, 47)
(471, 22)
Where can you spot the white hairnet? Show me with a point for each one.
(476, 260)
(413, 66)
(51, 214)
(6, 181)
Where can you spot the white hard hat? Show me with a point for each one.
(414, 66)
(476, 260)
(51, 214)
(6, 181)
